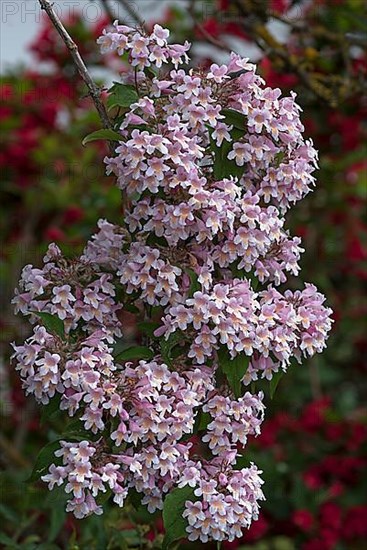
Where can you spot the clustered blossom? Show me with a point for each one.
(224, 502)
(262, 324)
(232, 421)
(209, 161)
(152, 408)
(70, 289)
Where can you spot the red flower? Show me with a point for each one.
(303, 519)
(355, 523)
(211, 26)
(334, 432)
(54, 234)
(312, 478)
(73, 214)
(280, 6)
(313, 415)
(331, 515)
(257, 530)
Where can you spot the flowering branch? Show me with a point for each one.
(94, 90)
(211, 160)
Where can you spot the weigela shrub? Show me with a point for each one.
(209, 162)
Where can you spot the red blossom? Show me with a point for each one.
(303, 519)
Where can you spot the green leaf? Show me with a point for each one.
(223, 167)
(173, 508)
(135, 352)
(50, 410)
(234, 369)
(148, 327)
(52, 323)
(45, 458)
(168, 345)
(201, 421)
(76, 431)
(7, 541)
(195, 285)
(273, 383)
(234, 118)
(104, 133)
(131, 308)
(57, 520)
(122, 95)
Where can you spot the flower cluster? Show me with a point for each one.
(232, 421)
(261, 325)
(151, 409)
(75, 369)
(224, 501)
(72, 290)
(87, 473)
(209, 162)
(143, 50)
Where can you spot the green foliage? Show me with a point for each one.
(273, 383)
(52, 323)
(104, 134)
(122, 95)
(134, 352)
(52, 409)
(234, 369)
(45, 458)
(223, 167)
(168, 345)
(195, 285)
(173, 508)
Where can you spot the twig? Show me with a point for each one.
(94, 91)
(209, 38)
(268, 44)
(108, 10)
(133, 14)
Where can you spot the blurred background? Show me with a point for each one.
(313, 446)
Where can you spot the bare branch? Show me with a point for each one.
(271, 46)
(208, 37)
(94, 91)
(108, 10)
(133, 13)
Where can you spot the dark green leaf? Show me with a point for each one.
(76, 431)
(131, 308)
(104, 133)
(201, 421)
(234, 369)
(57, 520)
(7, 541)
(173, 508)
(52, 323)
(148, 327)
(273, 383)
(50, 410)
(168, 345)
(45, 458)
(195, 285)
(135, 352)
(236, 119)
(223, 167)
(122, 95)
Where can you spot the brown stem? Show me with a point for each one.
(133, 14)
(94, 90)
(108, 10)
(208, 37)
